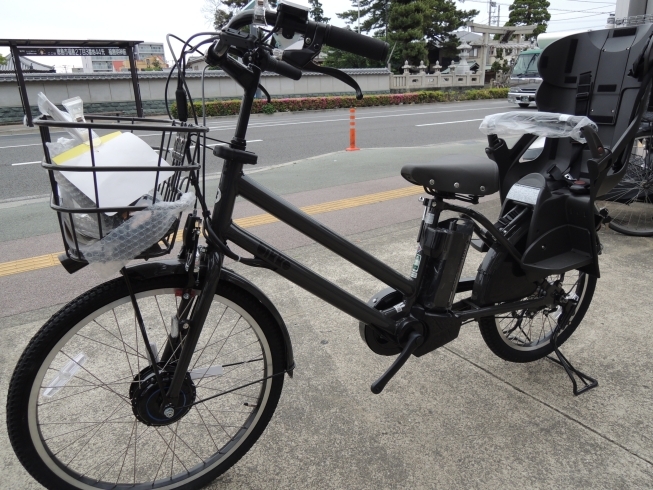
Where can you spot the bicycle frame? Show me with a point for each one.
(234, 183)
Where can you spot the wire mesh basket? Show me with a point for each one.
(116, 196)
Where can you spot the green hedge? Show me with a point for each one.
(232, 107)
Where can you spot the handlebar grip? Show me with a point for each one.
(355, 43)
(283, 69)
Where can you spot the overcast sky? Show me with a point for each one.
(151, 20)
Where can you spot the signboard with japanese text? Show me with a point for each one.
(35, 51)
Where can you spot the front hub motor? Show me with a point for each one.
(146, 397)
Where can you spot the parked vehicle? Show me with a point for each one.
(524, 78)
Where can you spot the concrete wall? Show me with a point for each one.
(408, 83)
(114, 91)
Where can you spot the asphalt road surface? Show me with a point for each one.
(282, 137)
(447, 417)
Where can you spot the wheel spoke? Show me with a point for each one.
(524, 330)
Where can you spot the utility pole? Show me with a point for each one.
(498, 15)
(359, 16)
(386, 21)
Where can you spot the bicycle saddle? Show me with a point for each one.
(456, 174)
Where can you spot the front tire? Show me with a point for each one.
(525, 336)
(79, 430)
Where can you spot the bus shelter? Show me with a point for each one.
(57, 47)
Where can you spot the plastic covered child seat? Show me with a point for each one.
(597, 74)
(595, 86)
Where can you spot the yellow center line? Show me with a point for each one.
(51, 260)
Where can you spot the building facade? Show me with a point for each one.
(145, 54)
(27, 65)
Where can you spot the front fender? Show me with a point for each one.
(160, 268)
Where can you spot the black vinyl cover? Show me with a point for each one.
(456, 174)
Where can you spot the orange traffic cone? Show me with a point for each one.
(352, 131)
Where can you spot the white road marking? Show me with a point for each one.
(317, 121)
(19, 146)
(210, 146)
(223, 144)
(255, 125)
(448, 122)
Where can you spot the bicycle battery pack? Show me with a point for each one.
(446, 248)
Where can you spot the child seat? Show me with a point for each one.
(604, 75)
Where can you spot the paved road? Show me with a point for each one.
(456, 418)
(283, 137)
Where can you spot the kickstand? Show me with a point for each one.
(572, 372)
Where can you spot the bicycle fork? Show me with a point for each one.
(189, 320)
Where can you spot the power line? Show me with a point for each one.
(560, 16)
(577, 11)
(599, 26)
(574, 18)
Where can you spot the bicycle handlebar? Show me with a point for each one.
(335, 37)
(282, 68)
(355, 43)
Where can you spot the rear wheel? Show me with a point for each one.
(79, 410)
(630, 203)
(525, 335)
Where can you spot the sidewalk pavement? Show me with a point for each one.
(455, 418)
(13, 129)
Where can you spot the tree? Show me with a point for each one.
(442, 19)
(529, 12)
(153, 65)
(418, 27)
(3, 60)
(317, 14)
(219, 12)
(338, 58)
(407, 23)
(373, 15)
(500, 63)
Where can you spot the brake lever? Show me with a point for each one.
(343, 77)
(265, 92)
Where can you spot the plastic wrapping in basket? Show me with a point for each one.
(84, 226)
(103, 191)
(142, 230)
(549, 124)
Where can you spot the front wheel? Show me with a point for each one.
(525, 335)
(80, 404)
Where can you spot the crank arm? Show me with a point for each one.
(414, 341)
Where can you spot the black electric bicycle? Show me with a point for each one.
(165, 377)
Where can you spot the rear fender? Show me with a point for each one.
(151, 270)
